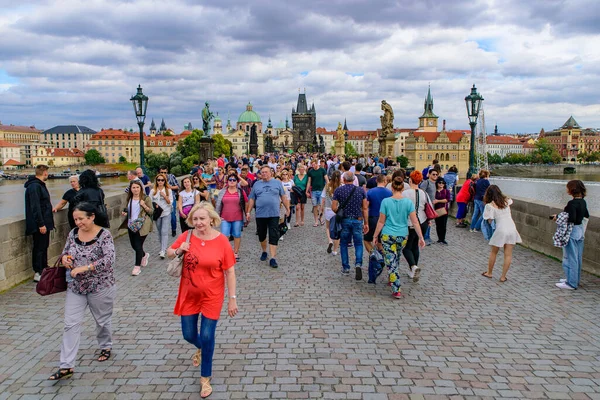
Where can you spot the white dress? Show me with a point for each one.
(506, 231)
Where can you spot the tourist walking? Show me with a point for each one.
(162, 201)
(231, 207)
(463, 198)
(411, 250)
(89, 256)
(39, 220)
(90, 192)
(174, 186)
(334, 182)
(267, 194)
(441, 202)
(374, 198)
(480, 187)
(138, 223)
(497, 208)
(200, 185)
(288, 186)
(68, 198)
(451, 179)
(430, 187)
(578, 213)
(355, 222)
(145, 180)
(317, 178)
(393, 227)
(208, 265)
(301, 182)
(188, 198)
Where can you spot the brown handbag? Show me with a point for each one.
(53, 280)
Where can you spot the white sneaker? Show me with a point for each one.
(416, 274)
(411, 273)
(334, 253)
(37, 277)
(281, 239)
(563, 285)
(144, 262)
(162, 255)
(562, 280)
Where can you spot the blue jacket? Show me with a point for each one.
(480, 188)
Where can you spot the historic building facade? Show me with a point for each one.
(503, 145)
(570, 140)
(10, 155)
(304, 124)
(58, 157)
(450, 147)
(68, 136)
(26, 137)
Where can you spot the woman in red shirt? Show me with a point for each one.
(207, 264)
(231, 206)
(462, 199)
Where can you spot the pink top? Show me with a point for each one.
(231, 210)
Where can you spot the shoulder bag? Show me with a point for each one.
(53, 280)
(339, 214)
(335, 223)
(429, 211)
(136, 224)
(417, 204)
(175, 265)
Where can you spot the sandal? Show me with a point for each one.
(206, 389)
(315, 225)
(503, 280)
(62, 373)
(296, 225)
(104, 355)
(486, 275)
(196, 358)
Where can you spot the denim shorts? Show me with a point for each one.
(232, 228)
(316, 197)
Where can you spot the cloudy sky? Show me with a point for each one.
(78, 62)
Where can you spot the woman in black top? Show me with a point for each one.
(90, 192)
(573, 251)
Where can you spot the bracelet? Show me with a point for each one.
(233, 297)
(89, 267)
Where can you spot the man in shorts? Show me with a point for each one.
(374, 198)
(317, 179)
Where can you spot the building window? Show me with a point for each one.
(429, 156)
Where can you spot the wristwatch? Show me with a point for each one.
(233, 297)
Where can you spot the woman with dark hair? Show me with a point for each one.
(334, 182)
(451, 178)
(189, 197)
(441, 201)
(162, 196)
(480, 188)
(231, 206)
(419, 198)
(90, 192)
(497, 208)
(394, 214)
(138, 223)
(88, 255)
(577, 210)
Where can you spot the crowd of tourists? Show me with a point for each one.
(362, 203)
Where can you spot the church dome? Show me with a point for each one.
(249, 115)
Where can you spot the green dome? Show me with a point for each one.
(249, 115)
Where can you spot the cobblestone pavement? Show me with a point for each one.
(305, 331)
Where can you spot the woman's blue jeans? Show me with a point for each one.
(477, 215)
(573, 256)
(205, 340)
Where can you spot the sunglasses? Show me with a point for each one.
(160, 180)
(196, 179)
(232, 180)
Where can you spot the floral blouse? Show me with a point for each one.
(100, 252)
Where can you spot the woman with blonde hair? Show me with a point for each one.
(162, 199)
(334, 182)
(300, 182)
(208, 266)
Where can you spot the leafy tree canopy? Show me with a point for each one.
(93, 157)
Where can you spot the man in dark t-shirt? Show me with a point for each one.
(317, 179)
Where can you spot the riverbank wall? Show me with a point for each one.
(536, 230)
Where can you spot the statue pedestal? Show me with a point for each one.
(207, 146)
(340, 149)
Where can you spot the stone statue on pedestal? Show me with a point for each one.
(387, 138)
(253, 140)
(207, 116)
(340, 142)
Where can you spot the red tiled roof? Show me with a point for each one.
(56, 152)
(116, 134)
(12, 162)
(20, 129)
(528, 146)
(4, 143)
(502, 140)
(430, 137)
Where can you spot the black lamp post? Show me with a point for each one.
(140, 103)
(473, 102)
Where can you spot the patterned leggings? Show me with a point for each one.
(392, 251)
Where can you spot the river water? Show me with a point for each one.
(12, 193)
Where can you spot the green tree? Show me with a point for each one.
(403, 160)
(93, 157)
(350, 150)
(191, 144)
(155, 161)
(494, 159)
(177, 170)
(122, 160)
(222, 145)
(188, 162)
(332, 150)
(545, 153)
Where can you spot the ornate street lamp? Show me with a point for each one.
(473, 102)
(140, 103)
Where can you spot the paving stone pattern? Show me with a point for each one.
(304, 331)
